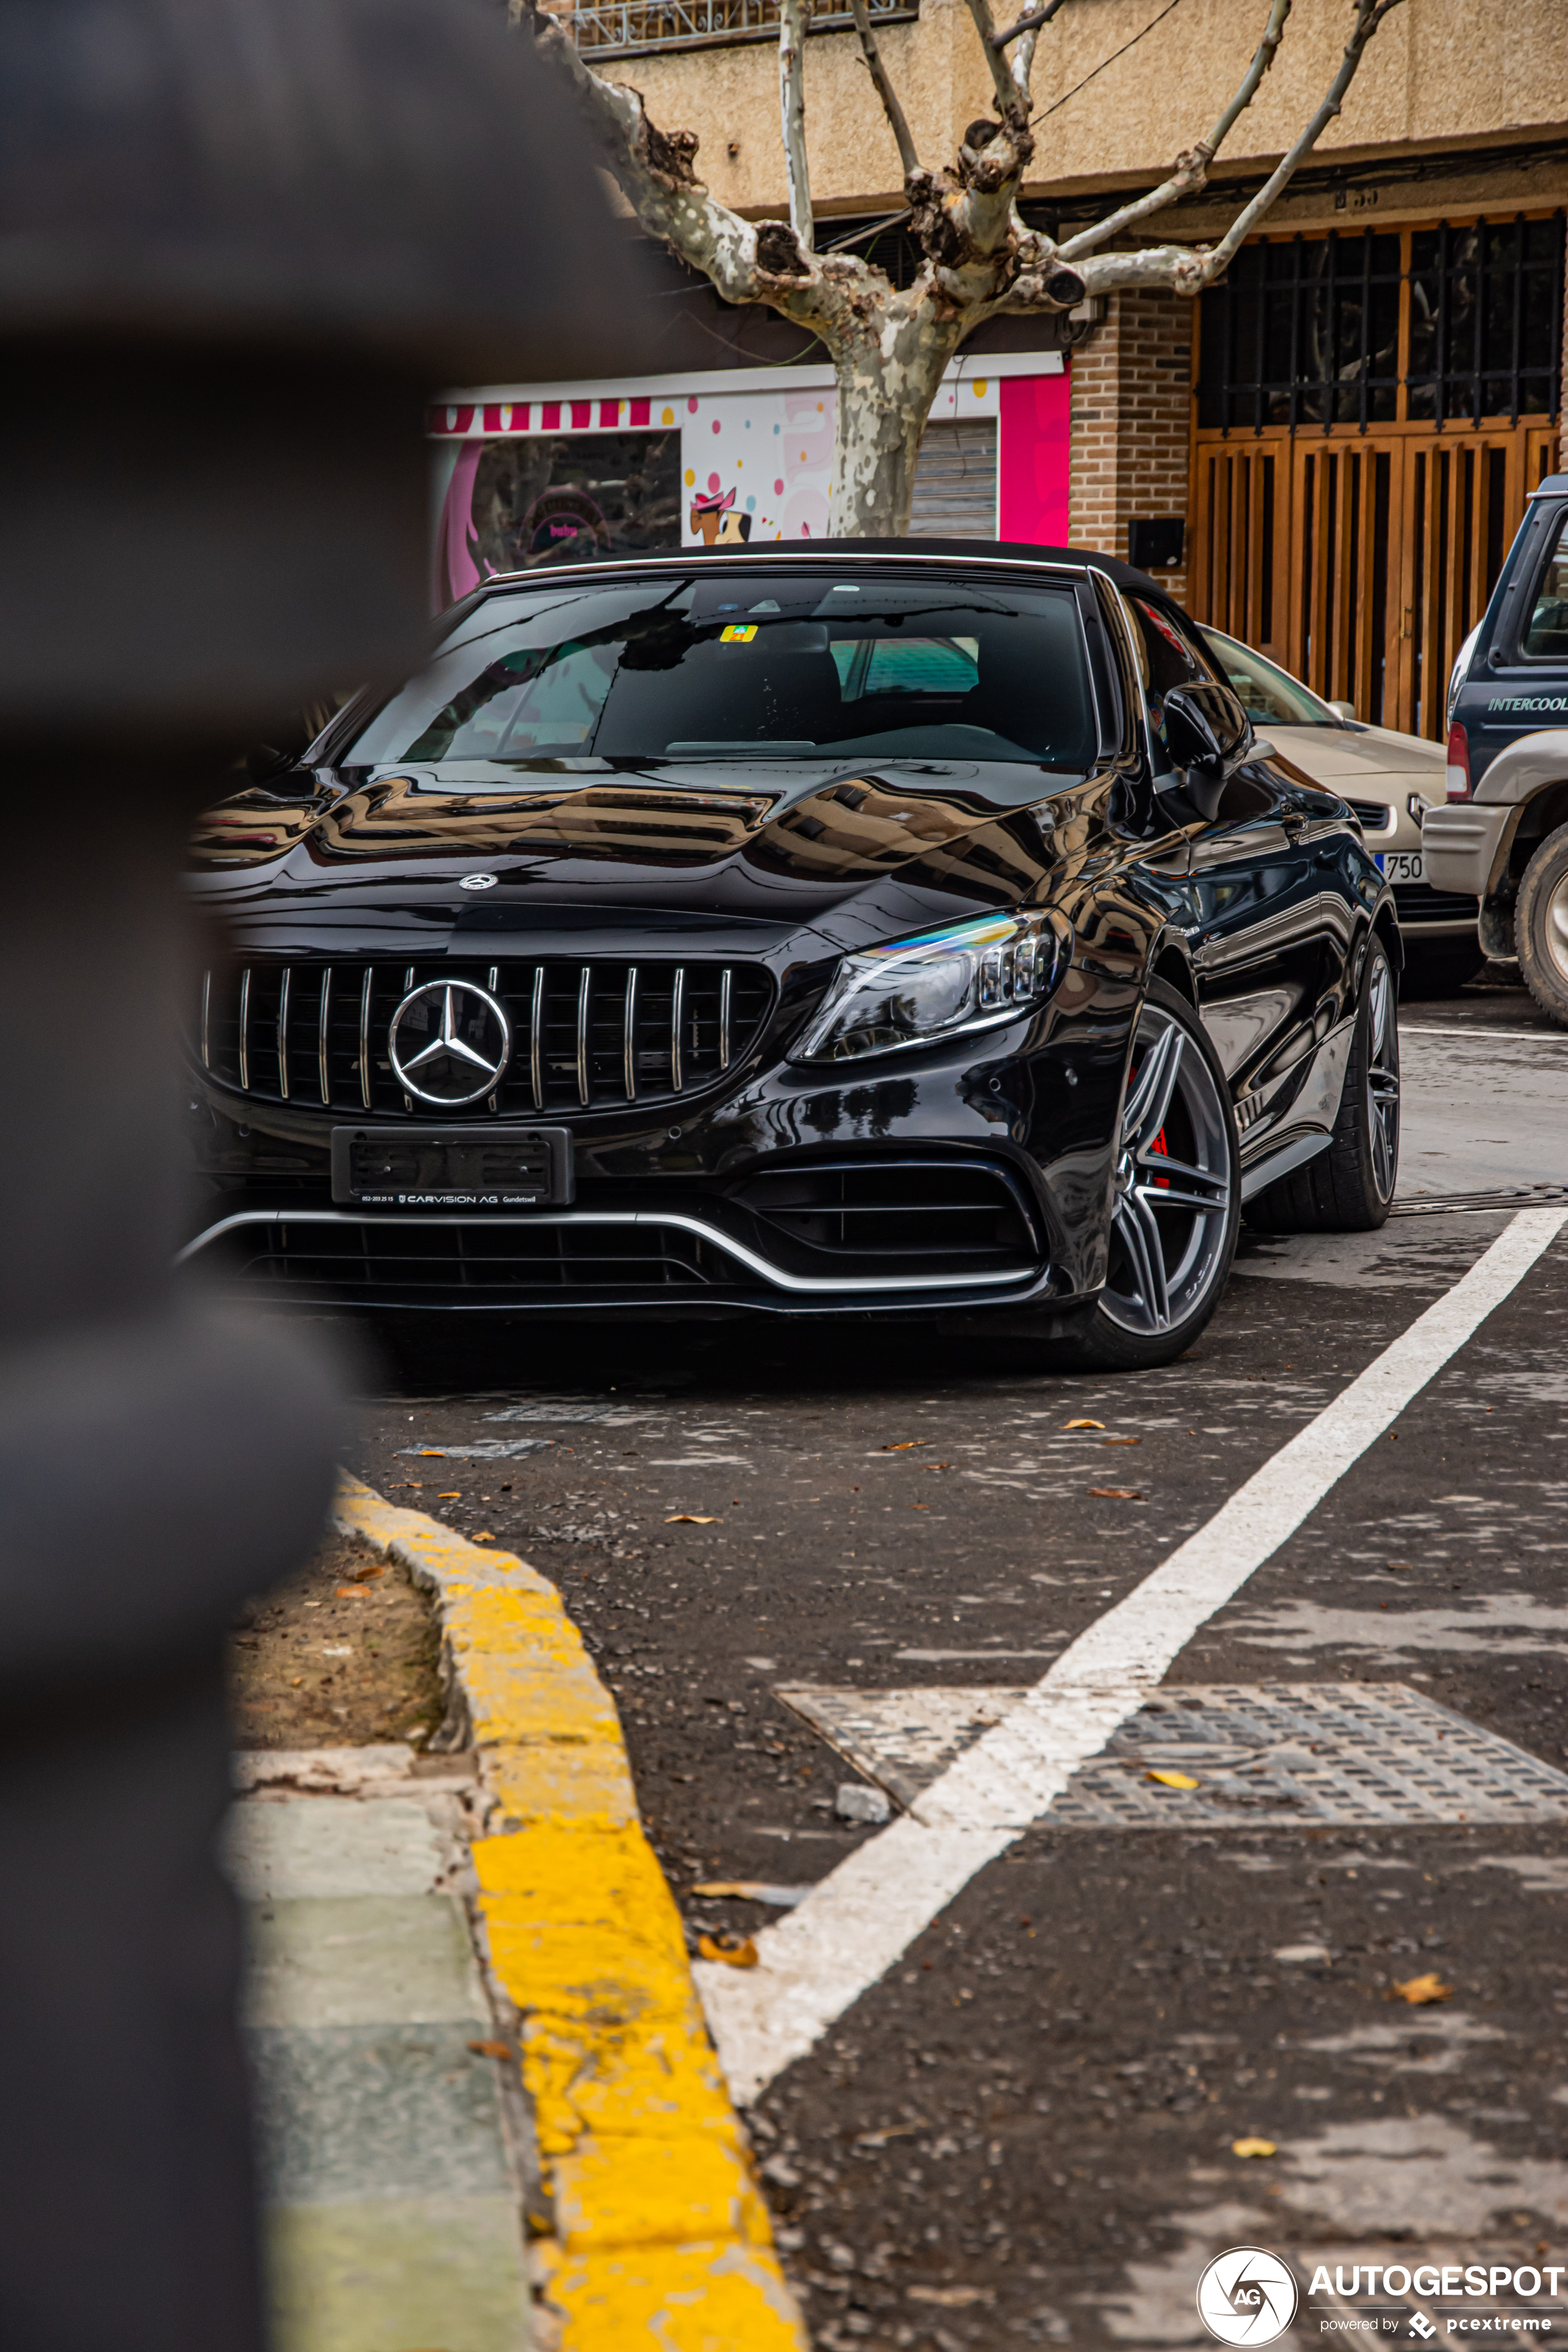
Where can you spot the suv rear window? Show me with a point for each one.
(1546, 632)
(775, 666)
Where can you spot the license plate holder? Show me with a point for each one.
(1402, 865)
(476, 1167)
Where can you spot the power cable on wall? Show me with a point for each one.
(1110, 61)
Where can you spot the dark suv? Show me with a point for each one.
(1504, 832)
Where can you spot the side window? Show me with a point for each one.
(1169, 658)
(1546, 631)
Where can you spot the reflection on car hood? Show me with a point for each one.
(811, 822)
(1351, 761)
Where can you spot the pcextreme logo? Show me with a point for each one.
(1247, 2295)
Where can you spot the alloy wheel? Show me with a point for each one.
(1173, 1180)
(1555, 927)
(1382, 1080)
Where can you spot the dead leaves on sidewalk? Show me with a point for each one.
(1419, 1990)
(735, 1951)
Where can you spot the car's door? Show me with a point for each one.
(1255, 925)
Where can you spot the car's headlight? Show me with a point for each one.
(918, 991)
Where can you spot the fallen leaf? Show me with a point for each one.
(1083, 1425)
(1121, 1441)
(904, 1445)
(1253, 2148)
(453, 1498)
(373, 1568)
(1119, 1494)
(691, 1519)
(430, 1453)
(491, 2049)
(951, 2298)
(1419, 1991)
(754, 1890)
(919, 1506)
(353, 1592)
(295, 1681)
(1173, 1779)
(484, 1536)
(735, 1951)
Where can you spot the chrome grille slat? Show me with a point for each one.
(585, 986)
(536, 1039)
(590, 1034)
(629, 1034)
(322, 1068)
(365, 1035)
(283, 1031)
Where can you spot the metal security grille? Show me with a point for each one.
(956, 481)
(1263, 1755)
(627, 26)
(585, 1036)
(1373, 411)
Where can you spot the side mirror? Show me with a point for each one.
(1345, 710)
(1207, 732)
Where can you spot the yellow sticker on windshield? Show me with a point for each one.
(738, 633)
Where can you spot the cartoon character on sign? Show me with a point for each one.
(713, 518)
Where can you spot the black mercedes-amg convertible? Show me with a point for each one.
(878, 929)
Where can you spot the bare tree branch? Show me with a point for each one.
(1190, 172)
(1030, 23)
(655, 173)
(792, 113)
(897, 122)
(1370, 14)
(1007, 101)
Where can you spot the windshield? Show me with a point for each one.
(780, 667)
(1272, 697)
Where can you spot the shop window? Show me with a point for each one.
(532, 499)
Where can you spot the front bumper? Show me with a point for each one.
(934, 1182)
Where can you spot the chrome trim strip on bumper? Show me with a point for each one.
(799, 1283)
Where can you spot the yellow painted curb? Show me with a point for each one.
(661, 2236)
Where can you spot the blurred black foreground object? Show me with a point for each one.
(241, 241)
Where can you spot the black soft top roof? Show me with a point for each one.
(1015, 550)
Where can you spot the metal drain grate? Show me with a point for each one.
(1263, 1754)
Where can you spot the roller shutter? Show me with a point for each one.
(956, 481)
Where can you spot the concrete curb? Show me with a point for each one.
(659, 2231)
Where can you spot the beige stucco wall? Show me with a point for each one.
(1438, 72)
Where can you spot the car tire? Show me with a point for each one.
(1349, 1188)
(1541, 925)
(1441, 968)
(1176, 1109)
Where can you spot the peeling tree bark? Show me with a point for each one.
(889, 346)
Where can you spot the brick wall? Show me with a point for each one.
(1130, 415)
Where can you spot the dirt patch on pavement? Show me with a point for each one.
(343, 1654)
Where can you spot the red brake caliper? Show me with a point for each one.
(1160, 1146)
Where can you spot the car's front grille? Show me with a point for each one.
(940, 1217)
(1418, 902)
(1375, 816)
(595, 1035)
(471, 1263)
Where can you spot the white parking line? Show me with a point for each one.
(867, 1913)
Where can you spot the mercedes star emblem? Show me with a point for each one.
(449, 1042)
(478, 882)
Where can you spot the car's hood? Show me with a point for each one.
(711, 844)
(1352, 759)
(733, 859)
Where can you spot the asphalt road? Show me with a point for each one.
(1024, 2129)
